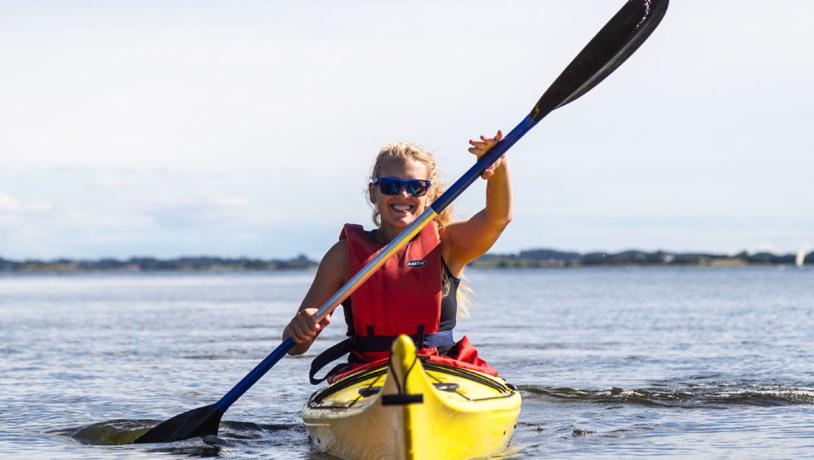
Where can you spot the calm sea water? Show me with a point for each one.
(612, 362)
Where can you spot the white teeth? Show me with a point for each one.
(402, 207)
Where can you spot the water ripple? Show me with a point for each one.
(692, 396)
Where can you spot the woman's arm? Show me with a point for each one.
(331, 275)
(467, 240)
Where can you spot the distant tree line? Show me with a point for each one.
(555, 258)
(150, 264)
(532, 258)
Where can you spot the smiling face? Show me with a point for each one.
(400, 210)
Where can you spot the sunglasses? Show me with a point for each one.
(394, 185)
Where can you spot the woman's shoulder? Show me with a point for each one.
(337, 253)
(334, 263)
(451, 231)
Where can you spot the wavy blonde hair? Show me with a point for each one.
(402, 152)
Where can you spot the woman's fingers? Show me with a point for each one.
(490, 171)
(304, 327)
(479, 148)
(325, 322)
(296, 333)
(485, 143)
(303, 332)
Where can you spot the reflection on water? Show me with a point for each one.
(113, 432)
(119, 432)
(611, 362)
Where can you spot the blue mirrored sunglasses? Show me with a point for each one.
(394, 185)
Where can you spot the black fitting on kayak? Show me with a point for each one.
(446, 386)
(402, 399)
(369, 391)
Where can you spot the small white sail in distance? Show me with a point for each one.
(801, 257)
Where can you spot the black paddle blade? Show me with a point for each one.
(620, 37)
(199, 422)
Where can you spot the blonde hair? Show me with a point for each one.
(401, 152)
(464, 296)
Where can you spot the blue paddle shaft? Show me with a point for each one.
(252, 377)
(437, 206)
(484, 162)
(620, 37)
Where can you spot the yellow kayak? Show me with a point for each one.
(413, 410)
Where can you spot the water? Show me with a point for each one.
(691, 362)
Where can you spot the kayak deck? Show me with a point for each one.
(410, 409)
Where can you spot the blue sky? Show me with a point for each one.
(248, 128)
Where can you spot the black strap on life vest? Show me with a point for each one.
(372, 343)
(328, 356)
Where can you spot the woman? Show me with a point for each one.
(414, 292)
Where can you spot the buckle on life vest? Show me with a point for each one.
(372, 343)
(380, 343)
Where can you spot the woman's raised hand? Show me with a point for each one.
(479, 149)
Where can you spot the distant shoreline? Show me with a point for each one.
(150, 264)
(533, 258)
(552, 258)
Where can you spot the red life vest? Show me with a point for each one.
(402, 297)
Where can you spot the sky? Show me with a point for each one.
(248, 128)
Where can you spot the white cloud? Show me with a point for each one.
(191, 212)
(11, 206)
(7, 202)
(168, 128)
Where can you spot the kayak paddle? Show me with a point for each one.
(620, 37)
